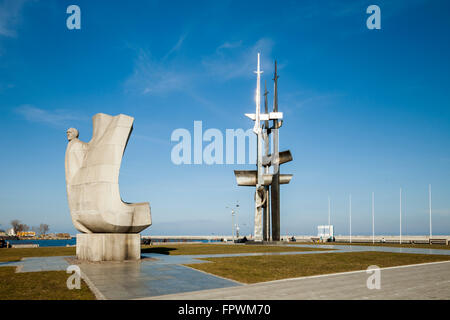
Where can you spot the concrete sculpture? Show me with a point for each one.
(109, 225)
(261, 178)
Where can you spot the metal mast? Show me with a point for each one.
(259, 195)
(275, 187)
(266, 136)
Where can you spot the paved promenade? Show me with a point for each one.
(425, 281)
(160, 276)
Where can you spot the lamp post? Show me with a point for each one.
(237, 224)
(232, 224)
(233, 214)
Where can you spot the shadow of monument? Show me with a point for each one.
(160, 250)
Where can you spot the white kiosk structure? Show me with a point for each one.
(325, 232)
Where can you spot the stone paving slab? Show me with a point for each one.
(38, 264)
(135, 280)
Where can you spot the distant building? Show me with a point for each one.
(63, 235)
(325, 232)
(26, 234)
(10, 232)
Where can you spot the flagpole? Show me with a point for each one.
(400, 215)
(429, 200)
(329, 211)
(373, 218)
(350, 200)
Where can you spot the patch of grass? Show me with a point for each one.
(395, 245)
(191, 249)
(265, 268)
(45, 285)
(15, 254)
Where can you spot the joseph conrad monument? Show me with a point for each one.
(109, 227)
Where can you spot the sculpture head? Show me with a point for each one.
(72, 133)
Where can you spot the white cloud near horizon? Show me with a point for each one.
(230, 60)
(10, 15)
(151, 76)
(177, 46)
(55, 118)
(308, 99)
(440, 212)
(230, 45)
(233, 60)
(153, 139)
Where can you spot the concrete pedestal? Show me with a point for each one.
(108, 246)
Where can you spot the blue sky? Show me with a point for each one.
(365, 110)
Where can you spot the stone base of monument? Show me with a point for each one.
(108, 246)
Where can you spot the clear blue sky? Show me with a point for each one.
(365, 110)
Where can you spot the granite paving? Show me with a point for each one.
(430, 281)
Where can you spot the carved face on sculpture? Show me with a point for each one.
(72, 133)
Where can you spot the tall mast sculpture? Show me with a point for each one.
(261, 178)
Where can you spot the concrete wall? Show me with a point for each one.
(388, 238)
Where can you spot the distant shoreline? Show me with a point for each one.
(46, 242)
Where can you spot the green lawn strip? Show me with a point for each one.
(254, 269)
(45, 285)
(194, 249)
(395, 245)
(15, 254)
